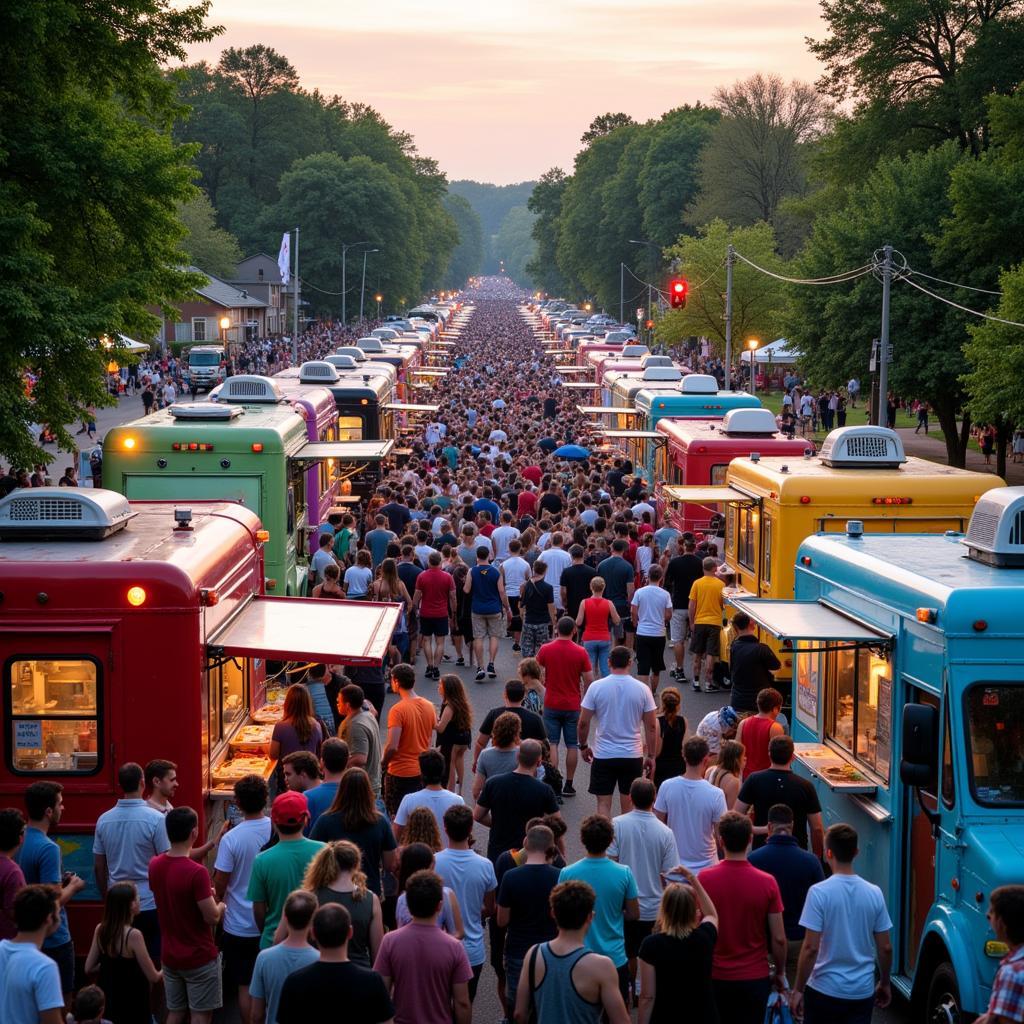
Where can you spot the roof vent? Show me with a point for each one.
(62, 513)
(206, 410)
(737, 422)
(652, 360)
(343, 362)
(317, 371)
(635, 351)
(996, 533)
(662, 373)
(370, 344)
(351, 350)
(250, 388)
(699, 384)
(864, 447)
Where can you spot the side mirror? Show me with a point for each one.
(919, 760)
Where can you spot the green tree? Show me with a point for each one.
(605, 124)
(903, 201)
(546, 203)
(758, 300)
(514, 243)
(468, 256)
(208, 247)
(90, 180)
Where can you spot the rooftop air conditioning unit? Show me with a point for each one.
(996, 533)
(635, 351)
(250, 388)
(370, 344)
(206, 411)
(344, 362)
(317, 371)
(652, 360)
(62, 513)
(662, 373)
(749, 421)
(699, 384)
(864, 447)
(351, 350)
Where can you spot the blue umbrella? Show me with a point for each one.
(571, 451)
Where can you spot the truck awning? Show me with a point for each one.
(346, 451)
(572, 369)
(410, 407)
(303, 629)
(581, 385)
(635, 435)
(429, 371)
(708, 495)
(606, 410)
(807, 620)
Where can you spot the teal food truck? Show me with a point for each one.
(909, 721)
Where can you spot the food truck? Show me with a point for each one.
(361, 398)
(773, 504)
(251, 446)
(404, 356)
(147, 635)
(699, 452)
(909, 722)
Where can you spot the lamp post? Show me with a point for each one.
(379, 299)
(752, 344)
(225, 323)
(362, 287)
(345, 246)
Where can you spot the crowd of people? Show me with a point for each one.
(407, 852)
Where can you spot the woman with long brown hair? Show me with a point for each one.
(354, 816)
(668, 755)
(421, 827)
(454, 728)
(389, 587)
(298, 728)
(728, 773)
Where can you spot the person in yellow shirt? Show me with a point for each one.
(706, 609)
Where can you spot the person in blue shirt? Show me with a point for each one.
(30, 985)
(485, 504)
(487, 591)
(333, 761)
(40, 863)
(618, 899)
(794, 869)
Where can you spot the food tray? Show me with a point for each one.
(252, 739)
(833, 769)
(228, 772)
(270, 714)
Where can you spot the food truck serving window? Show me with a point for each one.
(995, 713)
(54, 714)
(859, 713)
(350, 428)
(228, 689)
(746, 536)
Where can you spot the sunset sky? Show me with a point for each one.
(502, 91)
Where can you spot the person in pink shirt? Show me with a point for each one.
(12, 834)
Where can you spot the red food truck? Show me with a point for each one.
(698, 452)
(135, 630)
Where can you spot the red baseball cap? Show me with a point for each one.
(289, 809)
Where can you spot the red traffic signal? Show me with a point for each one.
(677, 290)
(649, 324)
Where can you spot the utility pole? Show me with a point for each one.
(883, 355)
(295, 303)
(729, 258)
(650, 314)
(344, 253)
(362, 288)
(622, 292)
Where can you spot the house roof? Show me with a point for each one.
(247, 270)
(223, 294)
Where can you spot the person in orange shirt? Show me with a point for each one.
(411, 724)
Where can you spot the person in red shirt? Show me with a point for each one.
(533, 474)
(434, 599)
(188, 912)
(749, 911)
(527, 503)
(567, 674)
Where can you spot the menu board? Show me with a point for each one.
(808, 681)
(883, 724)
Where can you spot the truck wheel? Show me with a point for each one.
(943, 1006)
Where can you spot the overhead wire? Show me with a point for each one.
(954, 284)
(848, 275)
(957, 305)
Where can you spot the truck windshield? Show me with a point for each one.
(996, 742)
(204, 359)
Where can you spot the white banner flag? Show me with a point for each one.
(284, 258)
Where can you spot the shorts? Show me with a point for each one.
(433, 626)
(706, 639)
(517, 619)
(635, 932)
(561, 725)
(608, 772)
(679, 625)
(535, 635)
(650, 654)
(197, 989)
(488, 625)
(64, 957)
(239, 953)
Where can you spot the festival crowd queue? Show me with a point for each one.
(397, 855)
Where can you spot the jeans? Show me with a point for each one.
(822, 1009)
(742, 1002)
(598, 651)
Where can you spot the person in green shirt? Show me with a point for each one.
(280, 869)
(343, 538)
(451, 453)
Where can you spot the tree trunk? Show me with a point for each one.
(955, 436)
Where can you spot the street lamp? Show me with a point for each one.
(752, 344)
(362, 287)
(225, 323)
(345, 246)
(379, 299)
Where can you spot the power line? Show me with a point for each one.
(849, 275)
(954, 284)
(956, 305)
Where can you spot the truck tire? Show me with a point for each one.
(943, 1003)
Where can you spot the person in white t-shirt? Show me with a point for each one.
(691, 807)
(624, 716)
(846, 930)
(231, 870)
(433, 795)
(515, 571)
(557, 559)
(651, 610)
(502, 537)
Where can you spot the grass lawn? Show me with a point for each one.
(854, 417)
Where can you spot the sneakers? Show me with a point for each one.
(516, 647)
(460, 662)
(696, 686)
(491, 674)
(480, 675)
(713, 688)
(568, 789)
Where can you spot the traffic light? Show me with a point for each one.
(677, 291)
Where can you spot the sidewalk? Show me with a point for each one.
(933, 447)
